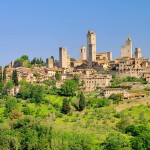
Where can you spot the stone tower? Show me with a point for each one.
(126, 50)
(83, 53)
(68, 61)
(138, 53)
(91, 47)
(64, 58)
(49, 63)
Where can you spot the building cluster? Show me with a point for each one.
(94, 69)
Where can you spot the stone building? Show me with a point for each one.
(52, 71)
(68, 61)
(138, 53)
(83, 53)
(95, 81)
(109, 91)
(49, 63)
(64, 58)
(146, 75)
(87, 71)
(104, 56)
(126, 50)
(91, 47)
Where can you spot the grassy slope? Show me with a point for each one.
(98, 122)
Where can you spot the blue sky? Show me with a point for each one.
(39, 27)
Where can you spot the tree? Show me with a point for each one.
(33, 61)
(15, 78)
(69, 88)
(72, 59)
(25, 91)
(1, 88)
(8, 86)
(4, 74)
(65, 106)
(34, 92)
(116, 98)
(57, 76)
(22, 59)
(1, 76)
(76, 78)
(141, 136)
(81, 102)
(25, 57)
(116, 141)
(11, 104)
(37, 93)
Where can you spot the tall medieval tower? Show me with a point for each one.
(126, 50)
(64, 58)
(138, 53)
(91, 47)
(82, 53)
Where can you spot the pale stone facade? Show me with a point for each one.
(91, 47)
(93, 82)
(14, 91)
(104, 56)
(77, 63)
(135, 67)
(52, 71)
(49, 63)
(85, 71)
(83, 54)
(126, 50)
(64, 58)
(68, 61)
(109, 91)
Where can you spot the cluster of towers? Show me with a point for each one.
(89, 53)
(85, 54)
(126, 50)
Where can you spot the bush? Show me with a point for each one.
(141, 134)
(116, 98)
(116, 141)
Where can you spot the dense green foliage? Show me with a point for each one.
(69, 88)
(116, 98)
(116, 141)
(35, 93)
(37, 61)
(57, 76)
(25, 61)
(115, 83)
(141, 134)
(36, 119)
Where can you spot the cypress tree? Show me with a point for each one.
(15, 77)
(4, 74)
(1, 76)
(81, 102)
(66, 107)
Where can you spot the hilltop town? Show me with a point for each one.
(95, 70)
(92, 103)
